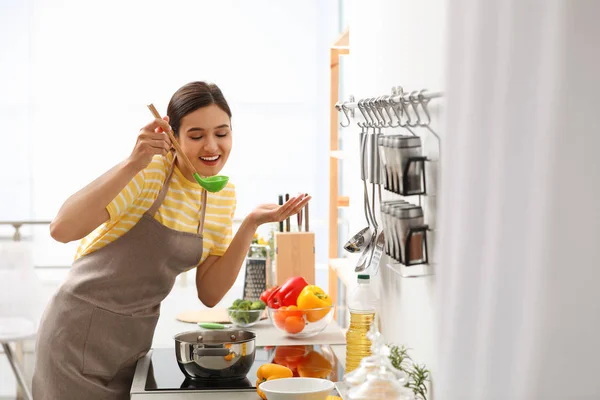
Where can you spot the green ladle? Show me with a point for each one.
(211, 183)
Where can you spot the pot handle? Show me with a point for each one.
(211, 352)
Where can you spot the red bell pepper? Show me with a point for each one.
(288, 293)
(272, 301)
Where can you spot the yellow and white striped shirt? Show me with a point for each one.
(180, 209)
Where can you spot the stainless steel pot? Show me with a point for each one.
(226, 354)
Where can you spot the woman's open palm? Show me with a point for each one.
(266, 213)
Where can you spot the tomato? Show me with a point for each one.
(294, 324)
(292, 352)
(290, 356)
(293, 311)
(279, 316)
(282, 313)
(266, 295)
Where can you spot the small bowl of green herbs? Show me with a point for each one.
(245, 313)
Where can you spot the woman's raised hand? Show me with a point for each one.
(266, 213)
(151, 140)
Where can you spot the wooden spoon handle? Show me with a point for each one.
(174, 141)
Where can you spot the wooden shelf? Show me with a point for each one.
(341, 46)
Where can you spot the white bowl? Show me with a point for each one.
(297, 389)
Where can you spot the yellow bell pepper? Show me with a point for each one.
(268, 372)
(313, 297)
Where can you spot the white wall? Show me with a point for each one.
(397, 42)
(76, 77)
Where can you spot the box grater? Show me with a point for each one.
(257, 264)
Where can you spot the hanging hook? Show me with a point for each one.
(342, 107)
(392, 104)
(368, 109)
(358, 122)
(424, 101)
(378, 108)
(373, 112)
(386, 106)
(361, 106)
(406, 102)
(414, 102)
(345, 110)
(401, 103)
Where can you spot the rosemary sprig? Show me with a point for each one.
(418, 375)
(399, 358)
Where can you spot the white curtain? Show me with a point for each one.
(518, 294)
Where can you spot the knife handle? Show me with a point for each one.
(280, 222)
(287, 220)
(306, 229)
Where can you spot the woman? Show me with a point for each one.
(143, 222)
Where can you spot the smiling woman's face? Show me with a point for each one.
(205, 137)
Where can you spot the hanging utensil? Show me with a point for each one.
(211, 183)
(367, 254)
(378, 245)
(372, 232)
(360, 240)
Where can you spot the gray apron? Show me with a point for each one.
(102, 319)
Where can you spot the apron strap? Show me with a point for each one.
(163, 191)
(203, 212)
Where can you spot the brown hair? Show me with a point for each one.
(191, 97)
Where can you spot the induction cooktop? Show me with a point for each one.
(164, 373)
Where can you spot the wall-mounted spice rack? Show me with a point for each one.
(398, 165)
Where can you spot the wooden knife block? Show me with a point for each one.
(294, 256)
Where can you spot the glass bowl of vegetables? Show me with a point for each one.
(245, 313)
(298, 309)
(300, 323)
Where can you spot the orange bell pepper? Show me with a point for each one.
(315, 365)
(313, 297)
(268, 372)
